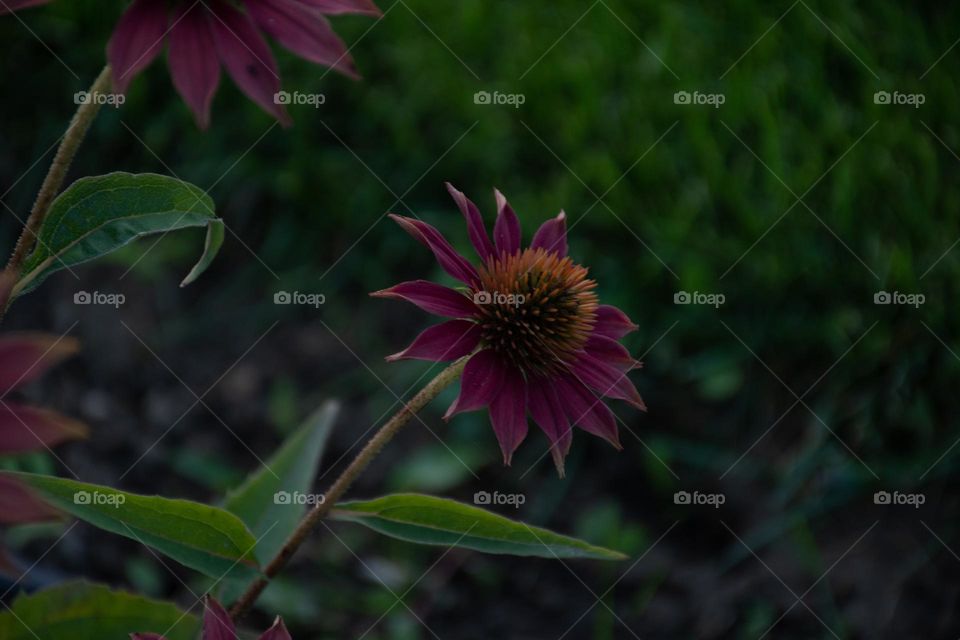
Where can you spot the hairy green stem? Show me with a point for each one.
(69, 145)
(444, 379)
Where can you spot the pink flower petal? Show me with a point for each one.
(607, 380)
(506, 232)
(136, 40)
(303, 31)
(451, 261)
(586, 410)
(146, 636)
(193, 60)
(508, 413)
(217, 624)
(25, 357)
(546, 410)
(478, 233)
(277, 631)
(552, 235)
(442, 342)
(25, 428)
(19, 504)
(431, 297)
(9, 6)
(612, 322)
(334, 7)
(247, 57)
(481, 382)
(612, 352)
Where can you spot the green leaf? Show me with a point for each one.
(205, 538)
(97, 215)
(291, 469)
(85, 611)
(430, 520)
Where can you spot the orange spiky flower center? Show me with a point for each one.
(537, 308)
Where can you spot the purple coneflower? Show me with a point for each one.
(24, 357)
(217, 625)
(203, 34)
(538, 339)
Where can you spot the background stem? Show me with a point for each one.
(343, 482)
(69, 145)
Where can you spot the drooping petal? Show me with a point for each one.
(612, 352)
(247, 57)
(586, 410)
(431, 297)
(547, 412)
(508, 413)
(9, 6)
(19, 504)
(136, 40)
(217, 624)
(506, 231)
(552, 235)
(303, 31)
(334, 7)
(612, 322)
(451, 261)
(442, 342)
(193, 60)
(607, 380)
(25, 428)
(25, 357)
(482, 380)
(277, 631)
(478, 233)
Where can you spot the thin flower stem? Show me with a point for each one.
(444, 379)
(69, 145)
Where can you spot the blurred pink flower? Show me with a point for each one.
(202, 35)
(539, 341)
(24, 358)
(217, 625)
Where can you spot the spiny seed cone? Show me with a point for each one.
(537, 308)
